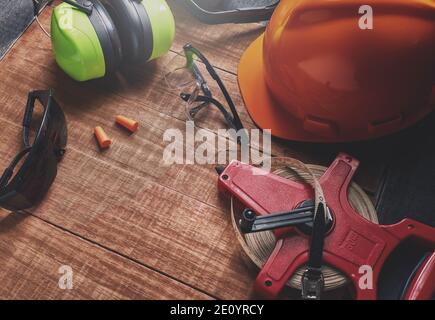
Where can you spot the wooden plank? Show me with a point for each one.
(32, 251)
(170, 219)
(143, 102)
(163, 229)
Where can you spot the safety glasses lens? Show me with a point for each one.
(179, 74)
(205, 105)
(37, 173)
(38, 169)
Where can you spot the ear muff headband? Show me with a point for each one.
(146, 27)
(242, 15)
(147, 49)
(107, 34)
(134, 28)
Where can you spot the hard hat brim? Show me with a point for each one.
(267, 113)
(263, 109)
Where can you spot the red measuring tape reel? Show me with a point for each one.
(346, 241)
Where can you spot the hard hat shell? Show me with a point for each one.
(317, 75)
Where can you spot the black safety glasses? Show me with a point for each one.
(39, 159)
(201, 105)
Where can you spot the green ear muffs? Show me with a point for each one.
(89, 44)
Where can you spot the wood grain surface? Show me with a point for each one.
(131, 226)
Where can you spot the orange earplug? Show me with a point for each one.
(127, 123)
(102, 138)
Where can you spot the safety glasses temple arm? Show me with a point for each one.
(190, 51)
(46, 98)
(230, 102)
(204, 86)
(27, 120)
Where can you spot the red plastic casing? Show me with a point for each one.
(352, 243)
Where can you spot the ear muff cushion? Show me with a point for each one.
(107, 34)
(134, 28)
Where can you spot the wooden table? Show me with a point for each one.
(129, 226)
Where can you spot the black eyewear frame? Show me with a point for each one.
(232, 119)
(39, 168)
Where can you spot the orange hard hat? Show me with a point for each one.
(318, 74)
